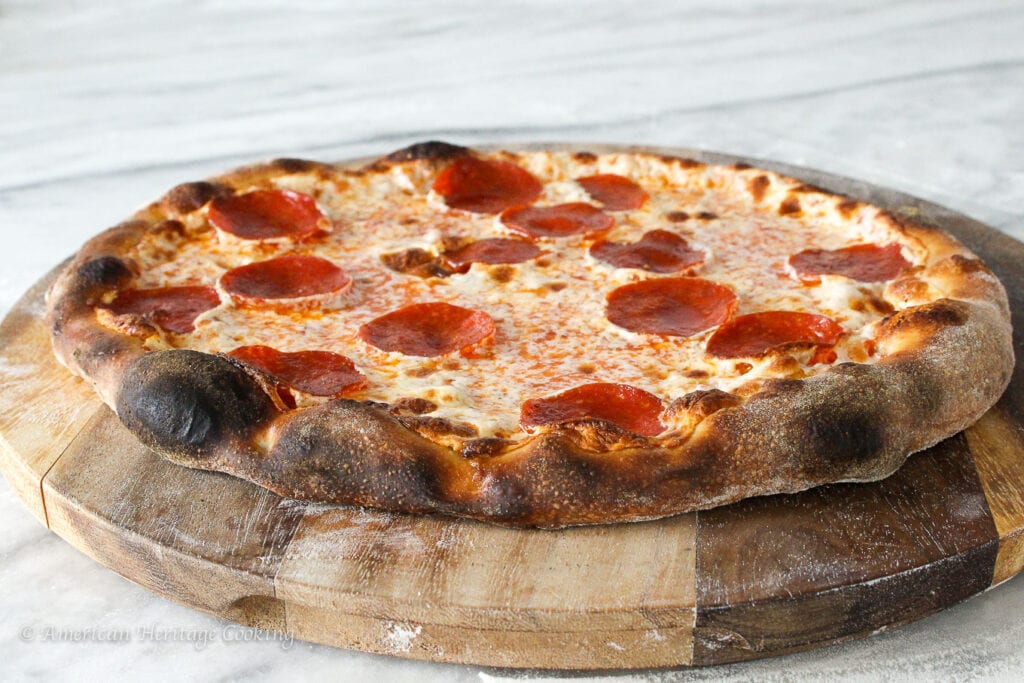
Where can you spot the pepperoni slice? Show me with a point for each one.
(758, 333)
(266, 215)
(175, 309)
(320, 373)
(659, 251)
(633, 409)
(485, 186)
(285, 277)
(561, 220)
(615, 192)
(493, 251)
(428, 330)
(862, 262)
(677, 306)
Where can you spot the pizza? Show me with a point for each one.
(541, 337)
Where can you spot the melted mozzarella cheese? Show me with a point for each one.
(551, 330)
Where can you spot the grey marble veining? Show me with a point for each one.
(104, 105)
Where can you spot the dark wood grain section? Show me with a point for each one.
(997, 443)
(792, 572)
(210, 541)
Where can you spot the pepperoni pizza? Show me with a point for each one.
(541, 338)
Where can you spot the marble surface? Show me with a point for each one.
(105, 105)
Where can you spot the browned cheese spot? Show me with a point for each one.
(413, 406)
(758, 186)
(415, 261)
(434, 427)
(790, 206)
(502, 273)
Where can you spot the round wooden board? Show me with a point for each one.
(755, 579)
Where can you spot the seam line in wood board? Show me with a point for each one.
(162, 547)
(284, 555)
(12, 455)
(78, 434)
(696, 586)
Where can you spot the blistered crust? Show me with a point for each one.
(943, 361)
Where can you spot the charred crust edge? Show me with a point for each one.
(190, 404)
(188, 197)
(296, 165)
(104, 271)
(429, 150)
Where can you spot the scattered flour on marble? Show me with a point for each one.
(399, 637)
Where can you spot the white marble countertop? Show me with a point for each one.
(104, 105)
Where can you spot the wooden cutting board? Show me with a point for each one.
(759, 578)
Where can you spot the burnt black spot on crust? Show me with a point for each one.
(846, 436)
(292, 165)
(104, 271)
(584, 157)
(431, 150)
(186, 403)
(191, 196)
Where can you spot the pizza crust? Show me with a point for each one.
(943, 361)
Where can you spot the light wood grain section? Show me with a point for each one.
(444, 576)
(42, 406)
(209, 541)
(472, 644)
